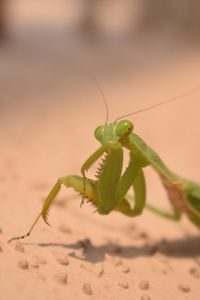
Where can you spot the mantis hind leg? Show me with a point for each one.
(193, 202)
(175, 215)
(79, 184)
(195, 220)
(175, 194)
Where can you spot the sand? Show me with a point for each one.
(47, 132)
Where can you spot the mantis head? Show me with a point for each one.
(114, 131)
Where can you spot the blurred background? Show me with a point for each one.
(51, 45)
(141, 51)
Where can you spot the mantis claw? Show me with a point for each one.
(45, 220)
(18, 238)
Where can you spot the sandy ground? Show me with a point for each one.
(47, 132)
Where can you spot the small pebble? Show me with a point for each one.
(143, 235)
(40, 260)
(153, 249)
(164, 242)
(144, 285)
(33, 263)
(42, 277)
(23, 264)
(99, 269)
(117, 261)
(108, 257)
(61, 277)
(137, 235)
(19, 247)
(145, 297)
(125, 269)
(184, 288)
(124, 285)
(131, 229)
(85, 244)
(195, 272)
(87, 289)
(117, 250)
(197, 260)
(62, 259)
(162, 258)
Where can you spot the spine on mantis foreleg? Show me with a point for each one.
(50, 200)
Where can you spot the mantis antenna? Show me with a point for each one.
(172, 99)
(103, 97)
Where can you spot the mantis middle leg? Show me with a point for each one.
(175, 215)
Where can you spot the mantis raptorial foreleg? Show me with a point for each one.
(87, 165)
(75, 182)
(96, 191)
(139, 197)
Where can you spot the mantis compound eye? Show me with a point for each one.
(98, 132)
(124, 127)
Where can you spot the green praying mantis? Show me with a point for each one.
(109, 191)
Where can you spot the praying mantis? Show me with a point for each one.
(109, 190)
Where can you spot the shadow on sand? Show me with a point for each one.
(186, 247)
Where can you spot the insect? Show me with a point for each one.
(109, 191)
